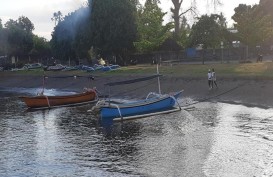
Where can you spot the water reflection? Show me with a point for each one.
(242, 143)
(210, 139)
(50, 150)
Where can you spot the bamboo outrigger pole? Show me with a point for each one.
(158, 80)
(42, 93)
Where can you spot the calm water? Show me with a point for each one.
(209, 139)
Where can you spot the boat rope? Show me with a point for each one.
(152, 93)
(176, 102)
(132, 90)
(133, 80)
(47, 101)
(215, 96)
(141, 87)
(48, 77)
(118, 111)
(69, 76)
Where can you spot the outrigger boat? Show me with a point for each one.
(42, 101)
(154, 104)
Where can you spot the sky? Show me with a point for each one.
(40, 12)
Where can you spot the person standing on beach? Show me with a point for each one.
(213, 76)
(210, 79)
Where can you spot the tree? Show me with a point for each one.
(57, 17)
(19, 36)
(41, 47)
(151, 32)
(265, 7)
(25, 24)
(11, 24)
(177, 14)
(208, 31)
(70, 38)
(81, 43)
(183, 36)
(17, 39)
(253, 26)
(113, 27)
(3, 39)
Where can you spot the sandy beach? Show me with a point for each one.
(247, 91)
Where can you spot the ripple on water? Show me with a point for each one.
(242, 143)
(209, 139)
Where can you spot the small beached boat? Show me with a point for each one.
(155, 103)
(33, 66)
(43, 101)
(57, 67)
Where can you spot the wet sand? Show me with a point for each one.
(246, 91)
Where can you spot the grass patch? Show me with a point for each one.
(199, 70)
(257, 70)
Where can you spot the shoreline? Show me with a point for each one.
(247, 91)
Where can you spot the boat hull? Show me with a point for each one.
(139, 108)
(53, 101)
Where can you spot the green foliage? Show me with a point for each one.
(113, 26)
(184, 32)
(177, 12)
(57, 17)
(25, 24)
(19, 36)
(70, 37)
(265, 7)
(209, 31)
(17, 39)
(151, 32)
(2, 39)
(41, 47)
(253, 26)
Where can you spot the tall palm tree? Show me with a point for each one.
(57, 17)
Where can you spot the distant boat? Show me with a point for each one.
(57, 67)
(33, 66)
(70, 68)
(109, 68)
(43, 101)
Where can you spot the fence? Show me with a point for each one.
(193, 55)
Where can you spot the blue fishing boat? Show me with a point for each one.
(155, 103)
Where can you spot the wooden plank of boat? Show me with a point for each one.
(66, 105)
(59, 101)
(175, 109)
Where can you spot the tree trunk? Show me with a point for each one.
(176, 16)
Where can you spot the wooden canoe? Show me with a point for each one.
(44, 101)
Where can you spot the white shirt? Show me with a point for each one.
(209, 76)
(213, 75)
